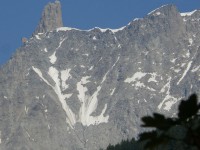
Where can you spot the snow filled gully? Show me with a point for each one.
(89, 103)
(54, 74)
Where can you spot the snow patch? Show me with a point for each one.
(91, 67)
(195, 69)
(112, 92)
(139, 75)
(188, 54)
(105, 76)
(153, 11)
(60, 44)
(139, 84)
(53, 58)
(177, 70)
(157, 13)
(135, 77)
(54, 74)
(119, 46)
(173, 60)
(94, 38)
(136, 19)
(39, 73)
(89, 105)
(27, 74)
(183, 64)
(38, 37)
(85, 54)
(85, 80)
(153, 77)
(65, 29)
(117, 30)
(169, 104)
(185, 72)
(26, 109)
(187, 13)
(168, 100)
(190, 41)
(88, 102)
(65, 75)
(101, 29)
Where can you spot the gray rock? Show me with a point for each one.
(81, 90)
(51, 18)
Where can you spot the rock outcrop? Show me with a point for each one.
(51, 18)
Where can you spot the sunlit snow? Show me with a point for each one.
(54, 74)
(168, 100)
(112, 92)
(89, 104)
(65, 75)
(38, 37)
(136, 76)
(190, 41)
(153, 11)
(53, 58)
(187, 13)
(185, 72)
(101, 29)
(195, 69)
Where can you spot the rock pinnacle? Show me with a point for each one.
(51, 18)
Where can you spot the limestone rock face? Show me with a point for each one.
(51, 18)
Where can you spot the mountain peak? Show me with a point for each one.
(51, 18)
(165, 9)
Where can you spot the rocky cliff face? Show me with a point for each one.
(70, 89)
(51, 18)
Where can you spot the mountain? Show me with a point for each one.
(70, 89)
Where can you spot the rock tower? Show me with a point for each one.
(51, 18)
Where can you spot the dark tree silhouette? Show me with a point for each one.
(183, 130)
(125, 145)
(179, 133)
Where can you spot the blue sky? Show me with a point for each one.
(20, 18)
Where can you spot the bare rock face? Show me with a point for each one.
(51, 18)
(71, 89)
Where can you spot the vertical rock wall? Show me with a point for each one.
(51, 18)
